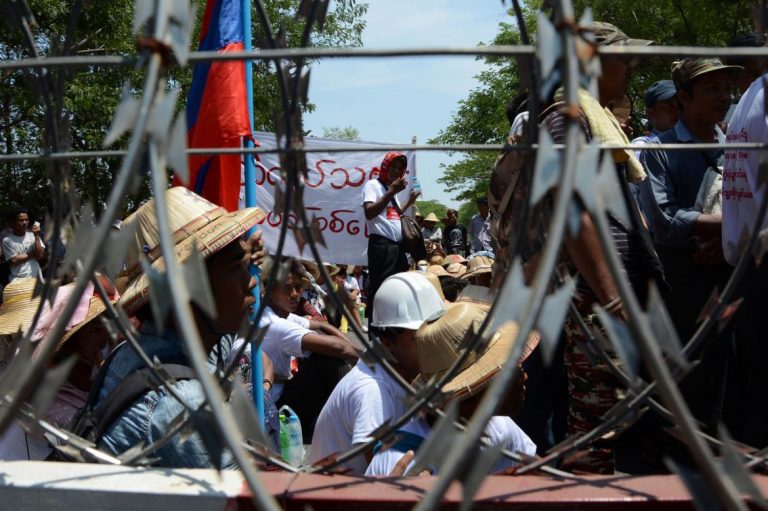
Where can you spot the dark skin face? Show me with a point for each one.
(482, 209)
(402, 346)
(20, 224)
(707, 103)
(511, 405)
(231, 285)
(664, 114)
(285, 298)
(617, 72)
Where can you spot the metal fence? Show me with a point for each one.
(28, 385)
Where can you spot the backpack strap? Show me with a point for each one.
(129, 390)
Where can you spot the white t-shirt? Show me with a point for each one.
(741, 196)
(500, 429)
(282, 342)
(359, 404)
(14, 245)
(387, 222)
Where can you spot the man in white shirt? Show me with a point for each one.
(367, 396)
(23, 248)
(743, 191)
(438, 346)
(386, 254)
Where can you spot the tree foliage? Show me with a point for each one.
(88, 97)
(431, 206)
(480, 117)
(337, 133)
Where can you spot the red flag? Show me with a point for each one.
(217, 107)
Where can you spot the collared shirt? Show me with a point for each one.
(480, 233)
(669, 193)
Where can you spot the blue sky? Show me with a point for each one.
(393, 99)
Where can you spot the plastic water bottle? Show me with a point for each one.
(291, 439)
(415, 185)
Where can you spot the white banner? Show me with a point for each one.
(333, 193)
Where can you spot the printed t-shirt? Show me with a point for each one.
(741, 193)
(14, 245)
(387, 222)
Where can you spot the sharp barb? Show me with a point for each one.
(619, 335)
(196, 278)
(548, 48)
(246, 419)
(663, 328)
(547, 170)
(177, 148)
(125, 116)
(474, 478)
(436, 447)
(551, 319)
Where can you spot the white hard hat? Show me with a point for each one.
(406, 300)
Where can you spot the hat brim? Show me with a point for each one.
(17, 316)
(727, 68)
(209, 239)
(95, 307)
(479, 374)
(477, 271)
(636, 42)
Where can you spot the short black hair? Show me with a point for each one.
(452, 286)
(14, 213)
(482, 200)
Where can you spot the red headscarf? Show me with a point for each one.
(387, 162)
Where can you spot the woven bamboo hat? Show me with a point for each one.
(96, 307)
(453, 258)
(437, 270)
(18, 306)
(438, 345)
(193, 221)
(478, 265)
(456, 269)
(431, 218)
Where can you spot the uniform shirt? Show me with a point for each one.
(741, 193)
(14, 245)
(387, 222)
(669, 193)
(360, 403)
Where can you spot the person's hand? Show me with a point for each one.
(254, 248)
(402, 465)
(710, 252)
(414, 196)
(36, 229)
(398, 185)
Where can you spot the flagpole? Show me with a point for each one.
(249, 178)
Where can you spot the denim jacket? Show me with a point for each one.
(149, 417)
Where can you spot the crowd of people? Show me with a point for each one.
(688, 212)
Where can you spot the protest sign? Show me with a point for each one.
(333, 193)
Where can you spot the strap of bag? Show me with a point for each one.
(129, 390)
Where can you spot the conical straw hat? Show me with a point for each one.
(18, 306)
(193, 221)
(438, 345)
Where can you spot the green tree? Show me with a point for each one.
(337, 133)
(431, 206)
(481, 118)
(88, 96)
